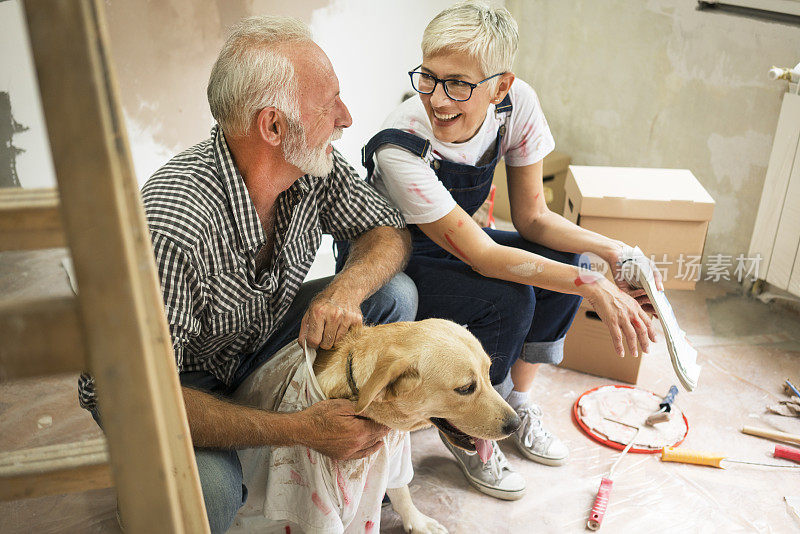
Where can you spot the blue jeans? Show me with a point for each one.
(511, 320)
(220, 470)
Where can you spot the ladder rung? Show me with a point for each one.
(54, 469)
(40, 337)
(30, 219)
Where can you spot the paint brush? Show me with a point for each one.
(665, 408)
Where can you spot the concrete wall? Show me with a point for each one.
(660, 84)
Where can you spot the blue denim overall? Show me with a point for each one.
(511, 320)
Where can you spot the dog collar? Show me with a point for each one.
(350, 380)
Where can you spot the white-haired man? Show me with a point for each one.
(236, 221)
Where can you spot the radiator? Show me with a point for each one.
(776, 235)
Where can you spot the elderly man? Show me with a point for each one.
(236, 221)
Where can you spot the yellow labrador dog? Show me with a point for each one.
(404, 375)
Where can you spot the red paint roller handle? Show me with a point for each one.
(790, 453)
(600, 504)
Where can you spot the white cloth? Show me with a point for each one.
(408, 180)
(301, 487)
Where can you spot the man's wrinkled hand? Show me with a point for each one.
(334, 429)
(326, 322)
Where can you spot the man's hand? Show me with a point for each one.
(327, 320)
(621, 313)
(336, 431)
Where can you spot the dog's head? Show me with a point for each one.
(435, 372)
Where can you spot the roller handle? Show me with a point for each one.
(600, 504)
(666, 404)
(790, 453)
(685, 456)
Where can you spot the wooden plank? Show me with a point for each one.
(776, 183)
(40, 337)
(54, 469)
(30, 219)
(151, 457)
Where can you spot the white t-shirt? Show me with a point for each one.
(410, 183)
(301, 488)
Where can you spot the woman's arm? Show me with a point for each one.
(536, 223)
(457, 233)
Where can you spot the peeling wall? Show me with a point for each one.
(163, 53)
(659, 84)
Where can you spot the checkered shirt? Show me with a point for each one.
(206, 236)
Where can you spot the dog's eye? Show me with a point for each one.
(466, 390)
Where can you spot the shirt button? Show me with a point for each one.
(436, 164)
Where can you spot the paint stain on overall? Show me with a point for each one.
(342, 487)
(319, 504)
(297, 478)
(310, 458)
(368, 526)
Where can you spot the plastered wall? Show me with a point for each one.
(659, 84)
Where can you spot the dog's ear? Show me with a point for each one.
(393, 376)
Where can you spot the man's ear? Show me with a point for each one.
(503, 87)
(393, 376)
(272, 126)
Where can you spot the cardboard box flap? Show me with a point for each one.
(630, 192)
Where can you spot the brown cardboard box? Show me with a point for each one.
(665, 212)
(554, 173)
(588, 348)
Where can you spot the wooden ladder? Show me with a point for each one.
(115, 327)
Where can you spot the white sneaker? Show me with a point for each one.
(534, 441)
(495, 477)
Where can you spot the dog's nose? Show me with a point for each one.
(511, 424)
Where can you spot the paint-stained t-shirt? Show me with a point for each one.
(410, 183)
(299, 487)
(206, 237)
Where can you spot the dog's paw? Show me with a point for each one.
(419, 523)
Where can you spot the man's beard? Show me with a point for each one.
(313, 161)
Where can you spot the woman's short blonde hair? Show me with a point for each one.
(488, 34)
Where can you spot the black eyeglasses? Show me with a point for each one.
(457, 90)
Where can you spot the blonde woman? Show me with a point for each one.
(516, 291)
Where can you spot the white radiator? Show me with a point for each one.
(776, 236)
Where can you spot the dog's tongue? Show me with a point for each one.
(484, 448)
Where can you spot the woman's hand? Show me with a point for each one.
(612, 256)
(621, 313)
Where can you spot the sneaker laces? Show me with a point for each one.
(531, 429)
(496, 463)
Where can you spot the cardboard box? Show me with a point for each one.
(663, 211)
(554, 174)
(588, 348)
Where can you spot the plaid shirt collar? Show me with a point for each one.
(250, 233)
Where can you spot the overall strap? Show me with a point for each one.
(416, 145)
(504, 106)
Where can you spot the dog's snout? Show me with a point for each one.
(511, 424)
